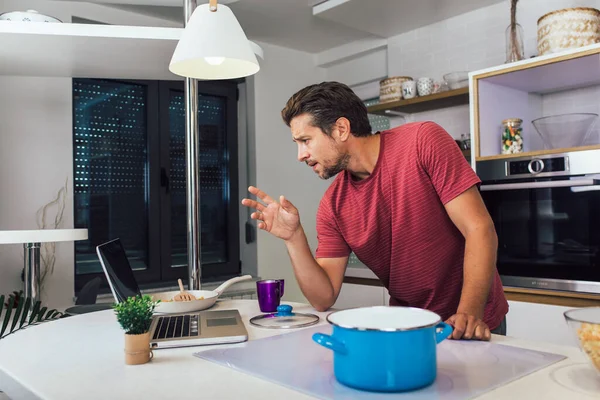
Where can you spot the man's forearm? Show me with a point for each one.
(479, 265)
(313, 280)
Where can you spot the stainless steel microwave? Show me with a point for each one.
(546, 211)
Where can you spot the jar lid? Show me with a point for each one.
(284, 318)
(512, 121)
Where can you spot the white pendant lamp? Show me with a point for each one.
(213, 46)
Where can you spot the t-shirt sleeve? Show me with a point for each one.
(331, 244)
(443, 161)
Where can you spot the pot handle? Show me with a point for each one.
(230, 282)
(330, 343)
(446, 330)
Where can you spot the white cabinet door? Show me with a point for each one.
(353, 295)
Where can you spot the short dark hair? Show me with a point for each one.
(326, 102)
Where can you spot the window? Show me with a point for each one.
(130, 177)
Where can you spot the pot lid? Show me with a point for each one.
(384, 318)
(284, 318)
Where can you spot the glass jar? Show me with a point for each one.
(512, 136)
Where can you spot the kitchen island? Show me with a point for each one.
(82, 357)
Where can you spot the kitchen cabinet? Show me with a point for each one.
(89, 50)
(552, 179)
(522, 90)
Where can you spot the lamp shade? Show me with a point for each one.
(43, 236)
(213, 46)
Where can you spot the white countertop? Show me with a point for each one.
(82, 357)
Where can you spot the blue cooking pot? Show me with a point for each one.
(384, 349)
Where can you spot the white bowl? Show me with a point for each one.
(27, 16)
(565, 130)
(457, 80)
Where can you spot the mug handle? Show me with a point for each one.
(329, 343)
(446, 330)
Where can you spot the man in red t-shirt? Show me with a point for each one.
(405, 201)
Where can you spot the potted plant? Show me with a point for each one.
(135, 316)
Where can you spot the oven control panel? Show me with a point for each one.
(537, 165)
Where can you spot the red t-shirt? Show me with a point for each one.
(396, 224)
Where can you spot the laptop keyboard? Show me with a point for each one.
(177, 326)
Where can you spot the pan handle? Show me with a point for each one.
(230, 282)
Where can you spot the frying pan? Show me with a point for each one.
(206, 298)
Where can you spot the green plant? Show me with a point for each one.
(19, 310)
(135, 314)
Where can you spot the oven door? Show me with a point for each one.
(548, 232)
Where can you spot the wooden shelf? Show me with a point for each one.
(538, 153)
(424, 103)
(85, 50)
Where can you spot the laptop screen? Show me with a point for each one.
(118, 270)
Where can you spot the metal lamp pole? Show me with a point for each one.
(192, 162)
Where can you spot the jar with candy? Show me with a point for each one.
(512, 136)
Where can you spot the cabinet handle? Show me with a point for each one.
(540, 185)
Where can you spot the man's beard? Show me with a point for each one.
(340, 165)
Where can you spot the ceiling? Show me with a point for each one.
(298, 25)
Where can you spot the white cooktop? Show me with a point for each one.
(465, 368)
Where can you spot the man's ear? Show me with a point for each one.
(342, 128)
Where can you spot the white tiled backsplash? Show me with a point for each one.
(455, 120)
(474, 41)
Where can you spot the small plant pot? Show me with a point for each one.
(137, 349)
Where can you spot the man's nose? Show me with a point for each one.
(302, 154)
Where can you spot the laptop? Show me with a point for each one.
(170, 330)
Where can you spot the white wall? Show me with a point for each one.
(35, 160)
(36, 149)
(283, 72)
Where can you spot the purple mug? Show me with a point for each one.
(269, 294)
